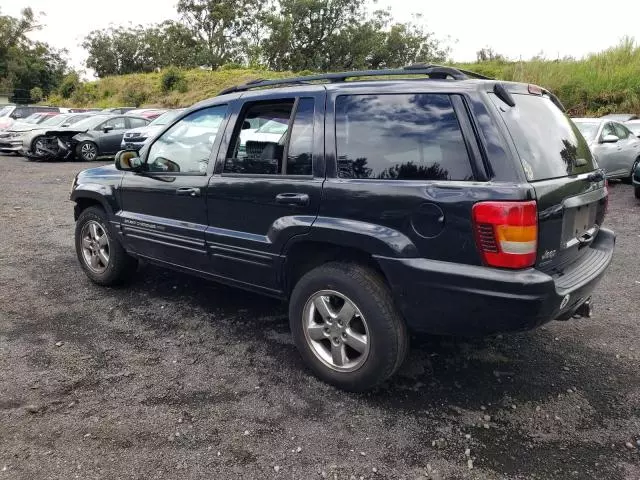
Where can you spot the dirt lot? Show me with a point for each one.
(173, 377)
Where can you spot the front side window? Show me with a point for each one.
(400, 137)
(608, 130)
(621, 132)
(118, 123)
(263, 145)
(186, 146)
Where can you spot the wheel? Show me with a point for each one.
(346, 326)
(636, 191)
(38, 146)
(87, 151)
(102, 257)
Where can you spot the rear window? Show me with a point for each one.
(548, 142)
(400, 137)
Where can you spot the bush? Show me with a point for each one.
(172, 79)
(70, 84)
(133, 96)
(36, 94)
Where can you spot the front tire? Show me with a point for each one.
(636, 191)
(87, 151)
(100, 254)
(346, 326)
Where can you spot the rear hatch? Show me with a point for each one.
(570, 190)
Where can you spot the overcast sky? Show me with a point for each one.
(514, 29)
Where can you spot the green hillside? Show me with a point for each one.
(601, 83)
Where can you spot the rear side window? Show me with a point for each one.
(400, 137)
(621, 131)
(137, 122)
(549, 144)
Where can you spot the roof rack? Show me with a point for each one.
(432, 71)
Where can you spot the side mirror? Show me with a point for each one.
(128, 161)
(107, 129)
(609, 139)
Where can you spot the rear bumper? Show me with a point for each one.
(452, 299)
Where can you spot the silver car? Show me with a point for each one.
(615, 147)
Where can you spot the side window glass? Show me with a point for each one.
(118, 123)
(300, 150)
(608, 130)
(621, 132)
(258, 142)
(137, 122)
(186, 147)
(400, 137)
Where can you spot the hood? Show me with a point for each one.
(24, 127)
(109, 170)
(65, 131)
(146, 131)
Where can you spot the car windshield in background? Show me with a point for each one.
(589, 130)
(548, 142)
(166, 118)
(89, 123)
(6, 111)
(33, 118)
(55, 120)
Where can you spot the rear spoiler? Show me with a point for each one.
(503, 93)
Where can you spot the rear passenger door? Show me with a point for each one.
(109, 142)
(267, 184)
(403, 174)
(629, 148)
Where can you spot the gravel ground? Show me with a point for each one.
(174, 377)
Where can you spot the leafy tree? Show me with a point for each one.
(223, 26)
(118, 51)
(25, 64)
(36, 94)
(488, 54)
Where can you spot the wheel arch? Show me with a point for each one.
(88, 198)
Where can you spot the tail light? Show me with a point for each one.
(507, 233)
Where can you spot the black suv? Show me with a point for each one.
(448, 203)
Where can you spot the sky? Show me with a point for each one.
(557, 28)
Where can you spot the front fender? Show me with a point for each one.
(105, 195)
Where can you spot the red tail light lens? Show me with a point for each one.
(507, 233)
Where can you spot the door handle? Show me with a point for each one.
(292, 199)
(188, 191)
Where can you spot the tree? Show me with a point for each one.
(223, 26)
(325, 35)
(25, 64)
(36, 94)
(118, 51)
(487, 54)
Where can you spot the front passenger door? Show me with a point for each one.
(109, 141)
(164, 213)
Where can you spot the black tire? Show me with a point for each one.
(120, 265)
(33, 148)
(87, 151)
(387, 333)
(636, 191)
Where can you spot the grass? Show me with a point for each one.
(598, 84)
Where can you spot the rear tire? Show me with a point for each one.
(355, 339)
(99, 252)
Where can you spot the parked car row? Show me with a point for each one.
(52, 135)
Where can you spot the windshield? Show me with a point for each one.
(91, 122)
(278, 126)
(33, 118)
(548, 142)
(166, 117)
(589, 130)
(56, 120)
(6, 111)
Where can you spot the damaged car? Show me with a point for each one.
(86, 140)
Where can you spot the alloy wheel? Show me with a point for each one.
(336, 331)
(95, 246)
(88, 151)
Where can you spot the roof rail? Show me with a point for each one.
(432, 71)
